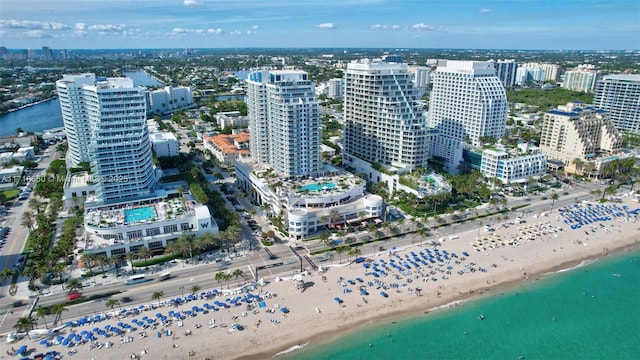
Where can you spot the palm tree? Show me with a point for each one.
(157, 295)
(227, 277)
(130, 256)
(237, 273)
(74, 284)
(195, 289)
(34, 204)
(57, 310)
(324, 238)
(25, 324)
(333, 216)
(554, 197)
(89, 261)
(219, 276)
(354, 252)
(341, 249)
(144, 253)
(5, 274)
(42, 313)
(112, 303)
(27, 220)
(578, 163)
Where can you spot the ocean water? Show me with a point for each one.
(588, 312)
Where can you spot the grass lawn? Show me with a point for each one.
(11, 194)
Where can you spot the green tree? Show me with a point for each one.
(157, 295)
(42, 313)
(57, 310)
(112, 303)
(24, 324)
(195, 289)
(237, 273)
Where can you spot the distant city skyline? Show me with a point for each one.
(491, 24)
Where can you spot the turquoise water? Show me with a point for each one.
(139, 214)
(585, 313)
(318, 187)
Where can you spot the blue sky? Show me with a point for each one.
(491, 24)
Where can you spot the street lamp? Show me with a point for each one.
(182, 290)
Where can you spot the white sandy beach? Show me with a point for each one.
(541, 245)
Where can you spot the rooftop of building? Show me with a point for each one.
(139, 212)
(623, 77)
(227, 143)
(335, 181)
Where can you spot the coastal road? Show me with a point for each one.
(18, 236)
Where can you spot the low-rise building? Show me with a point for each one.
(516, 165)
(307, 205)
(164, 144)
(228, 148)
(231, 119)
(117, 229)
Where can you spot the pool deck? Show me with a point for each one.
(114, 216)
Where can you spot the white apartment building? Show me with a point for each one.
(468, 102)
(515, 165)
(106, 118)
(231, 119)
(284, 121)
(164, 144)
(384, 124)
(619, 94)
(169, 99)
(536, 73)
(335, 88)
(75, 116)
(578, 131)
(506, 71)
(581, 80)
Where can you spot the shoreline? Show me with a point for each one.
(26, 106)
(326, 337)
(331, 303)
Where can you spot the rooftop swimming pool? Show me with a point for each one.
(139, 214)
(318, 187)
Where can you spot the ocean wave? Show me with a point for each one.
(293, 348)
(448, 305)
(582, 263)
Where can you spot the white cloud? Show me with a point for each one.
(255, 27)
(80, 27)
(423, 26)
(178, 30)
(378, 26)
(35, 25)
(193, 3)
(249, 32)
(107, 28)
(36, 34)
(396, 27)
(326, 26)
(236, 32)
(484, 11)
(215, 31)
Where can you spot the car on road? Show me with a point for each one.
(73, 295)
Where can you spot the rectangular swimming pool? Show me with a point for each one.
(318, 187)
(139, 214)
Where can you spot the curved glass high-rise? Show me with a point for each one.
(105, 122)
